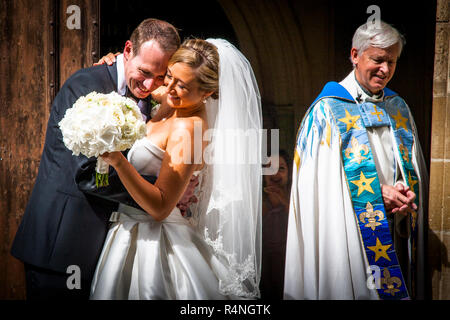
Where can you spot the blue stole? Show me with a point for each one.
(352, 119)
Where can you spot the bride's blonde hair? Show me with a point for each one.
(203, 58)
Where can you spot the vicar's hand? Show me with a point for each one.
(188, 196)
(398, 199)
(408, 193)
(109, 59)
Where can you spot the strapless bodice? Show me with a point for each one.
(146, 157)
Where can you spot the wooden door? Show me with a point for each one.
(41, 44)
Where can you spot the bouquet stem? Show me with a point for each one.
(101, 173)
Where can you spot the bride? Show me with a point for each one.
(208, 124)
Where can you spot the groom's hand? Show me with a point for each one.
(109, 59)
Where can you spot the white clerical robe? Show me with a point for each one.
(325, 258)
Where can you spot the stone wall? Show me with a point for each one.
(439, 207)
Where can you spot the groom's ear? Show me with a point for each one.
(128, 50)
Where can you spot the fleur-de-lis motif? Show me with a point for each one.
(392, 284)
(357, 150)
(371, 216)
(404, 151)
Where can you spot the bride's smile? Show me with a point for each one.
(182, 87)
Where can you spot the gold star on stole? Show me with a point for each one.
(357, 150)
(380, 250)
(400, 121)
(350, 120)
(363, 184)
(411, 182)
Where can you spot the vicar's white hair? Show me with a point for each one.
(381, 35)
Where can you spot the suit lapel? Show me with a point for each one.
(112, 70)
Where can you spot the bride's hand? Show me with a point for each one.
(114, 159)
(159, 93)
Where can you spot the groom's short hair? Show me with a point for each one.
(165, 34)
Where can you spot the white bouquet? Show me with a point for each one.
(99, 123)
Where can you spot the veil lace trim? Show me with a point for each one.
(228, 213)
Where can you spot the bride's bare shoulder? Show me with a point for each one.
(189, 123)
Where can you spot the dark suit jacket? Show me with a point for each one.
(62, 225)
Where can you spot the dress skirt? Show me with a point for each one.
(150, 260)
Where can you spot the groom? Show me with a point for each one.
(63, 229)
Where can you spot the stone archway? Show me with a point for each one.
(275, 46)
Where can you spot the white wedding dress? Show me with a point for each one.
(216, 254)
(146, 259)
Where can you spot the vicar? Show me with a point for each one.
(63, 228)
(356, 213)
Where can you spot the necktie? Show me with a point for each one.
(142, 104)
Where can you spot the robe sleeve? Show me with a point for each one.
(420, 167)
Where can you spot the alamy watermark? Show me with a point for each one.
(374, 21)
(74, 18)
(374, 277)
(74, 280)
(188, 149)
